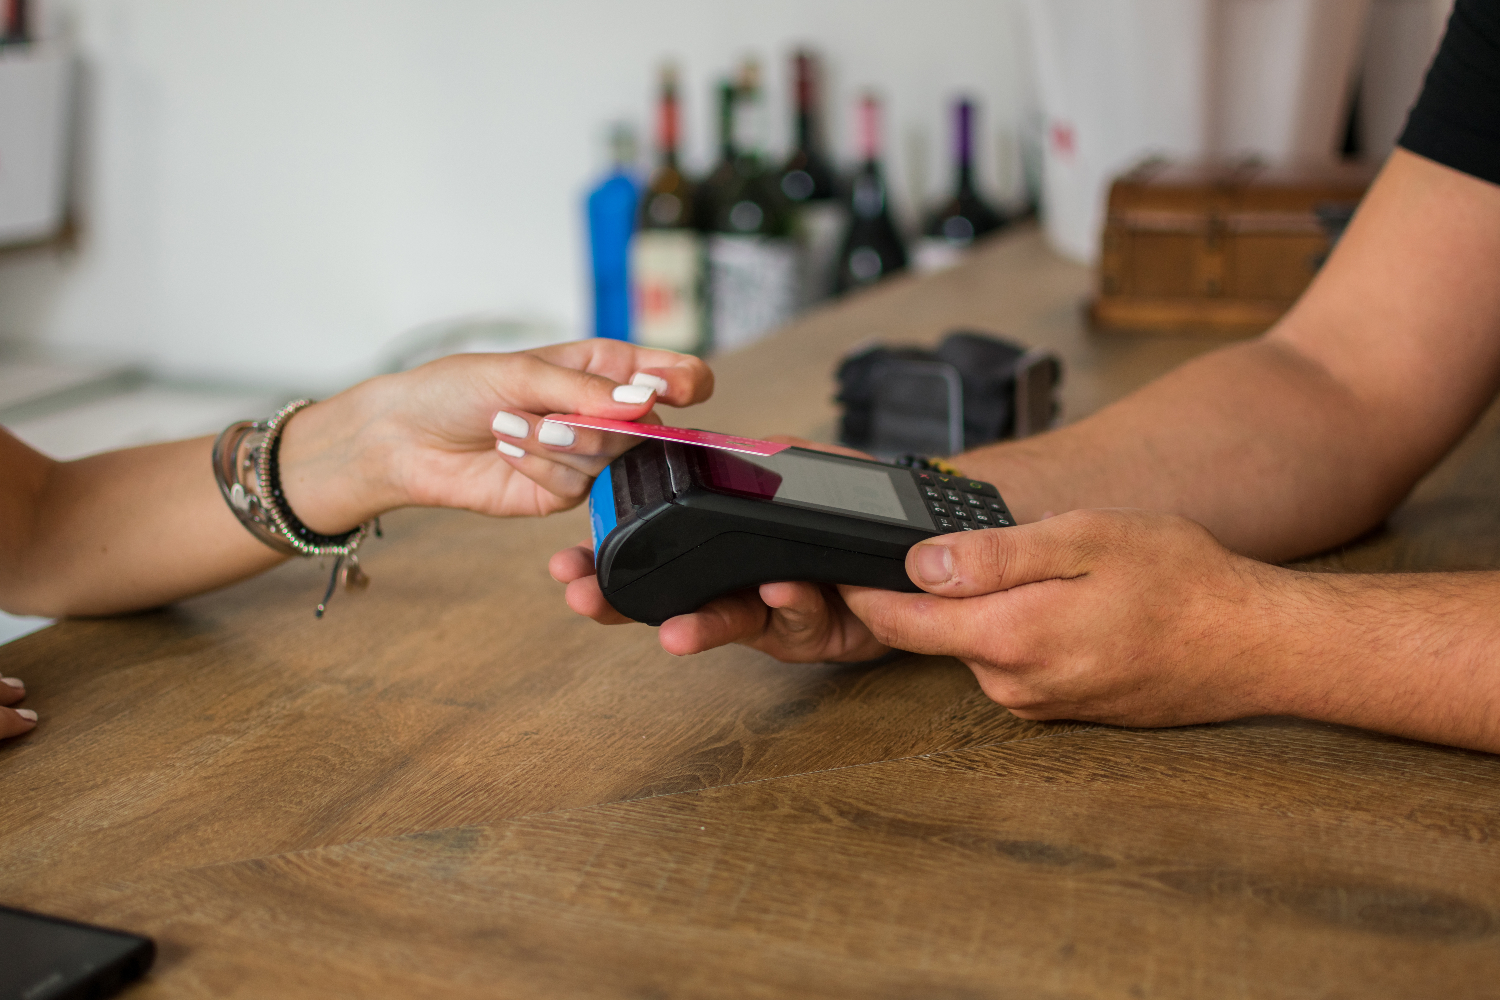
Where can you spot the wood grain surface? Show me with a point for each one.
(453, 786)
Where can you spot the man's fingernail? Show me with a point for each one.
(510, 449)
(26, 714)
(934, 563)
(510, 425)
(552, 432)
(14, 682)
(655, 382)
(632, 393)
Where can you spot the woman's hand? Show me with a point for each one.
(468, 431)
(14, 721)
(1125, 617)
(794, 622)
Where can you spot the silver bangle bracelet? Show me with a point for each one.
(247, 468)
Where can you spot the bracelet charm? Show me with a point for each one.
(247, 467)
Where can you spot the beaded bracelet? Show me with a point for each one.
(254, 447)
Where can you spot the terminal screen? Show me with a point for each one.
(805, 480)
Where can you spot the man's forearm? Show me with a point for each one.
(1304, 438)
(1416, 655)
(1254, 442)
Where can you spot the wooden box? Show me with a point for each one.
(1216, 245)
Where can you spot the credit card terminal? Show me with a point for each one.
(675, 526)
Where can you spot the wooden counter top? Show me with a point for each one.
(453, 786)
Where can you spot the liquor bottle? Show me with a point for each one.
(808, 176)
(611, 213)
(963, 218)
(714, 188)
(666, 255)
(872, 247)
(752, 257)
(810, 182)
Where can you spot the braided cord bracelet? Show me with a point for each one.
(252, 450)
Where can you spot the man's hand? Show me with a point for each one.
(1117, 616)
(794, 622)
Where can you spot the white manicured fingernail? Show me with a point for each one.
(26, 714)
(510, 425)
(552, 432)
(14, 682)
(510, 449)
(632, 393)
(654, 381)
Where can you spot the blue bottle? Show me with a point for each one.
(611, 209)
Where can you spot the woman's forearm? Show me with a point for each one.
(140, 527)
(130, 529)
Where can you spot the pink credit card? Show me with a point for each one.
(686, 435)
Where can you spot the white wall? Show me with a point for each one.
(275, 190)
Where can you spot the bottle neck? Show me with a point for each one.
(726, 121)
(806, 98)
(749, 126)
(667, 122)
(869, 130)
(963, 146)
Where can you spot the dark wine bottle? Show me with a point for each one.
(666, 262)
(668, 199)
(750, 201)
(810, 182)
(752, 257)
(872, 247)
(808, 175)
(715, 187)
(964, 217)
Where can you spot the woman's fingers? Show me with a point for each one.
(530, 383)
(682, 384)
(687, 379)
(581, 448)
(15, 721)
(11, 690)
(565, 482)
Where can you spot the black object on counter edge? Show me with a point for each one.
(973, 389)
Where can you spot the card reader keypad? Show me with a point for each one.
(962, 504)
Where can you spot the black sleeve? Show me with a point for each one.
(1456, 121)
